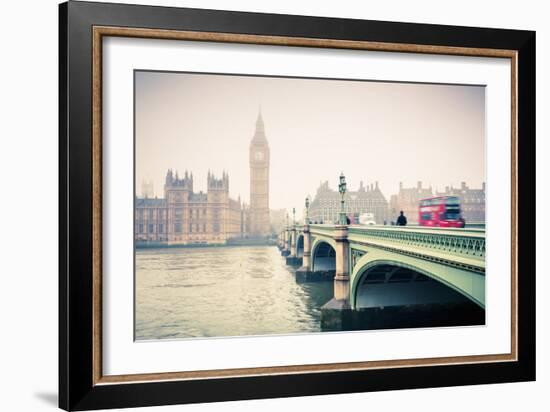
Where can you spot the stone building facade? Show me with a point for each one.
(325, 206)
(186, 217)
(472, 201)
(407, 200)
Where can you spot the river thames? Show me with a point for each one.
(222, 291)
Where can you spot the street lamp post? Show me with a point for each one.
(342, 190)
(305, 271)
(287, 228)
(293, 239)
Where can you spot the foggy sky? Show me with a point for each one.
(372, 131)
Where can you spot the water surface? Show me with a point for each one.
(222, 291)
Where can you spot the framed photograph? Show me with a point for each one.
(256, 205)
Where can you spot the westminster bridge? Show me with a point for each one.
(383, 267)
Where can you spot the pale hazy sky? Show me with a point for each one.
(389, 132)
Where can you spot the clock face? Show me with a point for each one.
(259, 156)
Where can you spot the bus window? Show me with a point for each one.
(452, 201)
(452, 214)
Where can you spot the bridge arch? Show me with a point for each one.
(323, 255)
(378, 266)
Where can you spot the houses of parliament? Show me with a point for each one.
(186, 217)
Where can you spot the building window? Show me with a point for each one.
(150, 212)
(151, 228)
(161, 228)
(177, 227)
(190, 228)
(140, 230)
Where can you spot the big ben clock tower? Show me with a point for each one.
(259, 181)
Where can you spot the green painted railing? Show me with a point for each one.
(465, 242)
(462, 242)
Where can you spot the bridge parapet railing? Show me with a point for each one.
(298, 226)
(464, 242)
(322, 230)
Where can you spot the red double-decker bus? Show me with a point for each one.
(441, 211)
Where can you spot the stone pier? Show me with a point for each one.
(337, 313)
(304, 273)
(293, 259)
(286, 244)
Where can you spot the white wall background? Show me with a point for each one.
(28, 203)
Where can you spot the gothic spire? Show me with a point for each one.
(259, 134)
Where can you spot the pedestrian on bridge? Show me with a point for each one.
(401, 220)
